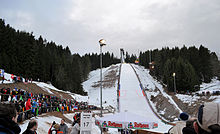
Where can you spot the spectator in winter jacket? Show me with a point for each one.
(28, 104)
(52, 127)
(76, 128)
(188, 129)
(177, 129)
(63, 127)
(8, 119)
(55, 129)
(34, 106)
(208, 121)
(31, 128)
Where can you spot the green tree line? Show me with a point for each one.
(24, 55)
(192, 66)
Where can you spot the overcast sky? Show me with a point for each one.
(135, 25)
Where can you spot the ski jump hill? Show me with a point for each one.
(133, 98)
(140, 93)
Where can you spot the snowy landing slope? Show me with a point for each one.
(132, 98)
(109, 93)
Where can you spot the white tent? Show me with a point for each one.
(126, 120)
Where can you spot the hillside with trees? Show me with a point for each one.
(24, 55)
(191, 66)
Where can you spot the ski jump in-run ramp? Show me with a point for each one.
(132, 99)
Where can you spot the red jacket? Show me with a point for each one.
(28, 104)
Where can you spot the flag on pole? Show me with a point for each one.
(21, 98)
(75, 108)
(14, 98)
(1, 72)
(37, 112)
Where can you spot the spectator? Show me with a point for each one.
(34, 106)
(177, 129)
(28, 104)
(8, 119)
(52, 128)
(63, 127)
(31, 128)
(76, 128)
(3, 78)
(189, 127)
(56, 129)
(208, 121)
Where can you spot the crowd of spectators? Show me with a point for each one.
(28, 104)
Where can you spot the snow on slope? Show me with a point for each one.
(8, 78)
(187, 98)
(214, 85)
(43, 124)
(108, 94)
(48, 87)
(150, 83)
(132, 99)
(211, 87)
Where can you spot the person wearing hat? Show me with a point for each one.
(177, 129)
(56, 129)
(32, 127)
(208, 121)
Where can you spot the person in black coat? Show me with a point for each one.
(8, 119)
(31, 128)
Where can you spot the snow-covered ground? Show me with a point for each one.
(44, 124)
(8, 78)
(150, 83)
(108, 94)
(187, 98)
(133, 100)
(214, 85)
(211, 87)
(48, 87)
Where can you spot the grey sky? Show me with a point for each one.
(135, 25)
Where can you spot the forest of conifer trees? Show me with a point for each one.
(192, 66)
(24, 55)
